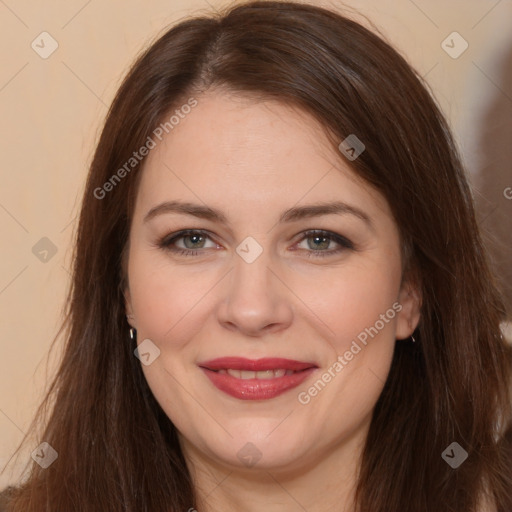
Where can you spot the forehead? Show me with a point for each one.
(234, 151)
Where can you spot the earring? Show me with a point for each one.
(412, 338)
(133, 331)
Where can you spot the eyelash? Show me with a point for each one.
(166, 242)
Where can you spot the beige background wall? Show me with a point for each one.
(51, 110)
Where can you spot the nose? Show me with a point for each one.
(255, 301)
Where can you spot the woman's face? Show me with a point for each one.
(249, 283)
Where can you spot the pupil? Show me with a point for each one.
(194, 240)
(319, 238)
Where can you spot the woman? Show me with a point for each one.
(280, 296)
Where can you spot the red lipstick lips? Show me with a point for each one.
(260, 379)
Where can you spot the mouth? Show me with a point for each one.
(259, 379)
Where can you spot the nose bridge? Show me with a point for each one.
(250, 280)
(254, 297)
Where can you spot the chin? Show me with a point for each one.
(259, 446)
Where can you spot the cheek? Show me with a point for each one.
(356, 303)
(167, 298)
(357, 314)
(167, 303)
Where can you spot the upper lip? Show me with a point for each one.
(255, 365)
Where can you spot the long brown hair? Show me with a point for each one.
(117, 448)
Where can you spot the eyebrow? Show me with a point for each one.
(292, 214)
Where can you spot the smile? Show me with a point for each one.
(260, 379)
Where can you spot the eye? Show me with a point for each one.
(190, 242)
(319, 240)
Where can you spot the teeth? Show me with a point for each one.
(264, 375)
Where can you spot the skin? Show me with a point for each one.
(252, 161)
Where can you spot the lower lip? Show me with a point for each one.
(256, 389)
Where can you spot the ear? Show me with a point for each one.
(125, 287)
(128, 307)
(408, 318)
